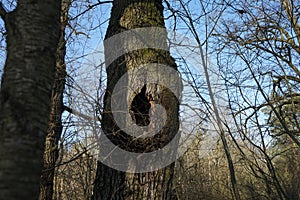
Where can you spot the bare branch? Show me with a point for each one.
(292, 18)
(81, 115)
(91, 7)
(2, 11)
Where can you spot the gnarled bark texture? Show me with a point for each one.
(111, 183)
(33, 30)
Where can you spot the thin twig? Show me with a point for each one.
(90, 7)
(2, 11)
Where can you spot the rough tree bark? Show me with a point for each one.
(55, 123)
(32, 37)
(111, 183)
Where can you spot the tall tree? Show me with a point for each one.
(111, 183)
(32, 33)
(55, 124)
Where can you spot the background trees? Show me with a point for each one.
(260, 37)
(251, 50)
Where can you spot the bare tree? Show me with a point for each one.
(260, 38)
(111, 183)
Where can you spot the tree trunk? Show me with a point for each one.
(32, 37)
(55, 124)
(111, 183)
